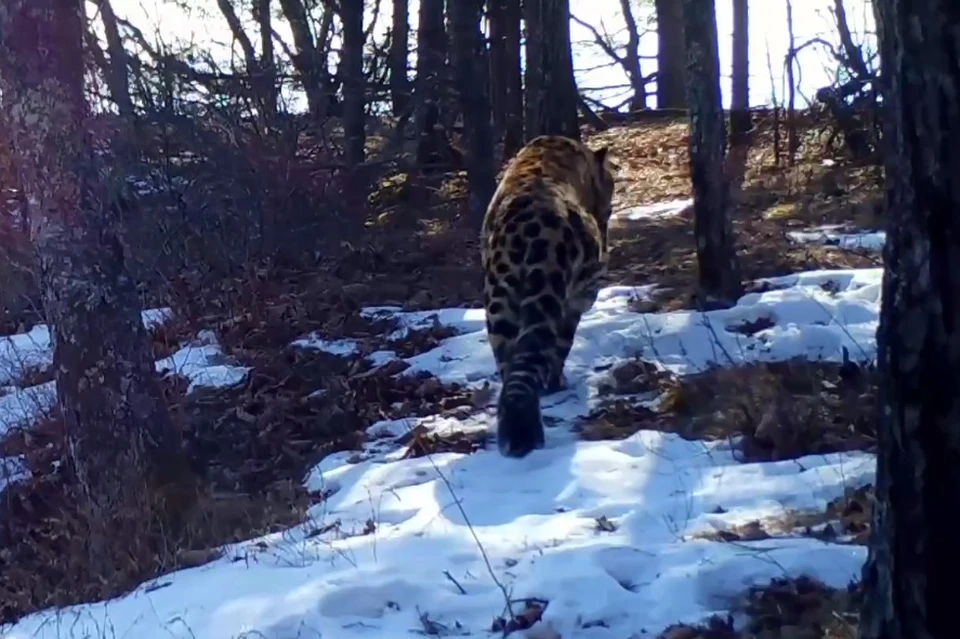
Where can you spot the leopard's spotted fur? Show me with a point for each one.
(544, 252)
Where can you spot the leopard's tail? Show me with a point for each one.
(519, 422)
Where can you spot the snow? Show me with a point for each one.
(660, 210)
(441, 519)
(202, 362)
(834, 236)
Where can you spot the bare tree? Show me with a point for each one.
(400, 57)
(470, 66)
(354, 102)
(121, 440)
(118, 79)
(268, 88)
(431, 63)
(740, 122)
(506, 77)
(671, 70)
(790, 63)
(913, 558)
(311, 54)
(719, 271)
(551, 90)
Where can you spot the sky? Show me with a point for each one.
(202, 24)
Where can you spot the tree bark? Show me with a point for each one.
(310, 59)
(354, 102)
(551, 107)
(120, 437)
(631, 59)
(118, 79)
(506, 74)
(469, 65)
(431, 63)
(719, 271)
(267, 69)
(671, 65)
(914, 559)
(740, 120)
(400, 57)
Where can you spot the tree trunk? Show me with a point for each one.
(914, 559)
(631, 59)
(719, 272)
(310, 57)
(267, 71)
(400, 57)
(468, 65)
(671, 64)
(354, 103)
(118, 79)
(431, 62)
(740, 121)
(551, 107)
(506, 75)
(120, 437)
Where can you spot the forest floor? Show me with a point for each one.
(314, 392)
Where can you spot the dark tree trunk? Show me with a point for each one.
(431, 67)
(506, 75)
(914, 558)
(740, 121)
(671, 63)
(121, 439)
(551, 95)
(267, 68)
(118, 79)
(469, 65)
(400, 57)
(354, 103)
(719, 273)
(631, 59)
(310, 56)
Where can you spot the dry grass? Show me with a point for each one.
(779, 410)
(800, 608)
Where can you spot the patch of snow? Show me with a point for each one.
(32, 350)
(535, 518)
(660, 210)
(342, 347)
(204, 364)
(830, 235)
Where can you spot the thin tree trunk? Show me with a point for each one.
(400, 57)
(267, 69)
(431, 62)
(671, 63)
(506, 75)
(121, 441)
(551, 87)
(354, 103)
(719, 271)
(117, 77)
(740, 121)
(631, 59)
(791, 60)
(914, 558)
(469, 66)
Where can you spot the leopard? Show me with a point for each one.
(544, 255)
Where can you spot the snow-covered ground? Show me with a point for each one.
(835, 236)
(454, 531)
